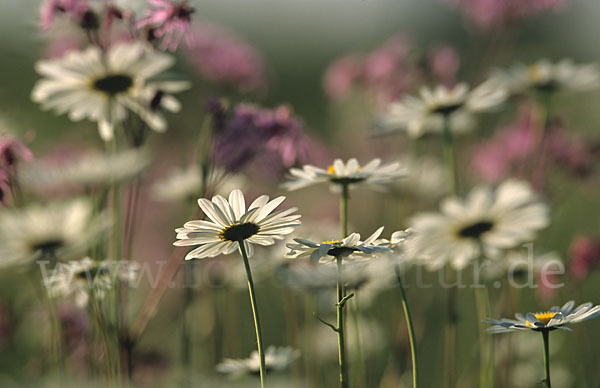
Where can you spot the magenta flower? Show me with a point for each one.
(247, 134)
(78, 10)
(11, 152)
(444, 63)
(585, 255)
(497, 13)
(507, 152)
(168, 21)
(343, 75)
(386, 72)
(222, 57)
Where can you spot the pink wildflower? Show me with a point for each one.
(222, 57)
(78, 10)
(168, 21)
(585, 255)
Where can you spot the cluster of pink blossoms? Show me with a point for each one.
(512, 150)
(389, 71)
(497, 13)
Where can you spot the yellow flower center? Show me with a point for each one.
(331, 242)
(544, 317)
(535, 74)
(331, 169)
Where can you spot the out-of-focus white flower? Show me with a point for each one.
(103, 87)
(428, 112)
(82, 278)
(276, 359)
(59, 230)
(547, 76)
(186, 184)
(485, 223)
(91, 170)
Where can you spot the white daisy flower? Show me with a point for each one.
(276, 359)
(185, 184)
(78, 279)
(90, 170)
(56, 231)
(428, 112)
(486, 222)
(555, 318)
(350, 173)
(336, 248)
(545, 75)
(230, 223)
(102, 87)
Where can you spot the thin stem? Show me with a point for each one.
(344, 210)
(186, 349)
(546, 336)
(450, 347)
(452, 172)
(340, 325)
(411, 330)
(360, 368)
(450, 157)
(486, 362)
(261, 353)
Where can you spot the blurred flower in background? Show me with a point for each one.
(433, 109)
(56, 231)
(79, 11)
(511, 151)
(272, 135)
(102, 87)
(585, 256)
(276, 359)
(225, 59)
(546, 76)
(484, 224)
(91, 170)
(168, 21)
(87, 278)
(185, 185)
(501, 13)
(390, 71)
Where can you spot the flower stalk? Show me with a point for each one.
(341, 301)
(410, 327)
(261, 353)
(546, 337)
(450, 346)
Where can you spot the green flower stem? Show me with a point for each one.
(261, 353)
(545, 104)
(186, 341)
(450, 345)
(344, 211)
(340, 325)
(452, 172)
(486, 359)
(450, 157)
(361, 362)
(546, 336)
(411, 329)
